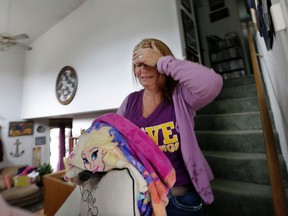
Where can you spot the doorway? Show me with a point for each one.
(60, 133)
(55, 148)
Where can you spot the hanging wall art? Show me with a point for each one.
(20, 128)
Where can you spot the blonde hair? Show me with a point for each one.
(100, 139)
(165, 83)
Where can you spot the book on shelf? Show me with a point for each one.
(234, 74)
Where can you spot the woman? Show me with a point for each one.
(173, 90)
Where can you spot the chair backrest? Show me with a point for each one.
(114, 194)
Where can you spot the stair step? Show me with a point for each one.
(238, 92)
(238, 105)
(249, 141)
(245, 80)
(240, 198)
(247, 167)
(234, 121)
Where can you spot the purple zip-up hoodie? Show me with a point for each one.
(198, 86)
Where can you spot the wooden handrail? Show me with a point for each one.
(276, 180)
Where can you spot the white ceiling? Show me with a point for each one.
(33, 17)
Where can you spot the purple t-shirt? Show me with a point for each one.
(160, 126)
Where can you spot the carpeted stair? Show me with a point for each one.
(229, 132)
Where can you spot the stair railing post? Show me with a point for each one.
(276, 180)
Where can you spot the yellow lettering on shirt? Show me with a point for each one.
(167, 131)
(170, 141)
(172, 147)
(154, 136)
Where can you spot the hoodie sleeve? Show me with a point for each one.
(122, 109)
(198, 84)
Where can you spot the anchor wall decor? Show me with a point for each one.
(17, 153)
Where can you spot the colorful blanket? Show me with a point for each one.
(114, 142)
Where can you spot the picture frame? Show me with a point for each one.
(36, 156)
(41, 140)
(189, 31)
(187, 5)
(20, 128)
(216, 4)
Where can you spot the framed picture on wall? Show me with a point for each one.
(216, 4)
(189, 31)
(41, 140)
(187, 5)
(20, 128)
(37, 156)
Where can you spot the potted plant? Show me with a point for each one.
(44, 169)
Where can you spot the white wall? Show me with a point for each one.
(97, 40)
(84, 121)
(274, 64)
(11, 83)
(11, 70)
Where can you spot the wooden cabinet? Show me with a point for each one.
(56, 191)
(226, 55)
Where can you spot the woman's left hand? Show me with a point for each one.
(147, 55)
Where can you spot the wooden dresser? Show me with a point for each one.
(56, 192)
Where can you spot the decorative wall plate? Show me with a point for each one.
(66, 85)
(40, 129)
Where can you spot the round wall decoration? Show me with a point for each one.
(40, 129)
(66, 85)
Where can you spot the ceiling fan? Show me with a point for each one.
(7, 40)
